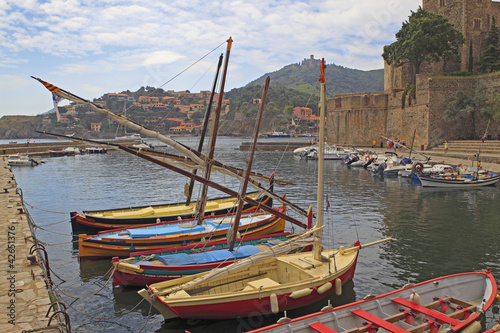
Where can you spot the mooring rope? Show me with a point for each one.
(45, 210)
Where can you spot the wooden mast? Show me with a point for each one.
(210, 157)
(189, 175)
(318, 247)
(204, 128)
(236, 220)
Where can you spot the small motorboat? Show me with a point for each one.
(451, 303)
(22, 160)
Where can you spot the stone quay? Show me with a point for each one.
(26, 295)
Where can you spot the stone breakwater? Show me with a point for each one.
(24, 296)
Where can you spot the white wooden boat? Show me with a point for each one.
(451, 303)
(473, 180)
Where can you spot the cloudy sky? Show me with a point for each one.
(94, 47)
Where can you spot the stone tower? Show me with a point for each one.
(471, 17)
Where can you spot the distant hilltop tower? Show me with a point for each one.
(311, 61)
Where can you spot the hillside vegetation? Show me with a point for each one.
(292, 86)
(304, 78)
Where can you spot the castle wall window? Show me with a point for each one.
(442, 3)
(477, 23)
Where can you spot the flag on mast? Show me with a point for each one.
(56, 99)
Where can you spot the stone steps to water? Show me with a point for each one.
(489, 150)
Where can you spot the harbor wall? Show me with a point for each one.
(358, 119)
(25, 300)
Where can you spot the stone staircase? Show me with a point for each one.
(468, 149)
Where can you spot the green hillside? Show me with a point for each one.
(304, 77)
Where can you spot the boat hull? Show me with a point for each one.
(278, 284)
(428, 181)
(459, 289)
(93, 247)
(256, 306)
(91, 222)
(128, 274)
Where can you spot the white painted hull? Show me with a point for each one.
(474, 291)
(458, 182)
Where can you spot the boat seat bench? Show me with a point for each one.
(321, 328)
(379, 321)
(428, 312)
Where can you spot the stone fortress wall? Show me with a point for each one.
(358, 119)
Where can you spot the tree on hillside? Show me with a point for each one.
(490, 59)
(465, 105)
(492, 107)
(424, 37)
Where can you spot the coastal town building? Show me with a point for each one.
(95, 127)
(361, 118)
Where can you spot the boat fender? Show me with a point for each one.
(300, 293)
(497, 298)
(474, 327)
(327, 286)
(367, 158)
(338, 287)
(158, 221)
(415, 298)
(274, 303)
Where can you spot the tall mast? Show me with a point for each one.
(204, 128)
(203, 200)
(236, 220)
(318, 248)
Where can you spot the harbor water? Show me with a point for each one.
(435, 232)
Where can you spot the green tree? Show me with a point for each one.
(465, 105)
(490, 59)
(424, 37)
(492, 107)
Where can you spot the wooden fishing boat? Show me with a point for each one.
(95, 221)
(121, 242)
(267, 282)
(451, 303)
(144, 268)
(473, 180)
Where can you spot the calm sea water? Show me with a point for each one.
(435, 232)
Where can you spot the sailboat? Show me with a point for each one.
(267, 282)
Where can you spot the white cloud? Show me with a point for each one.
(153, 41)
